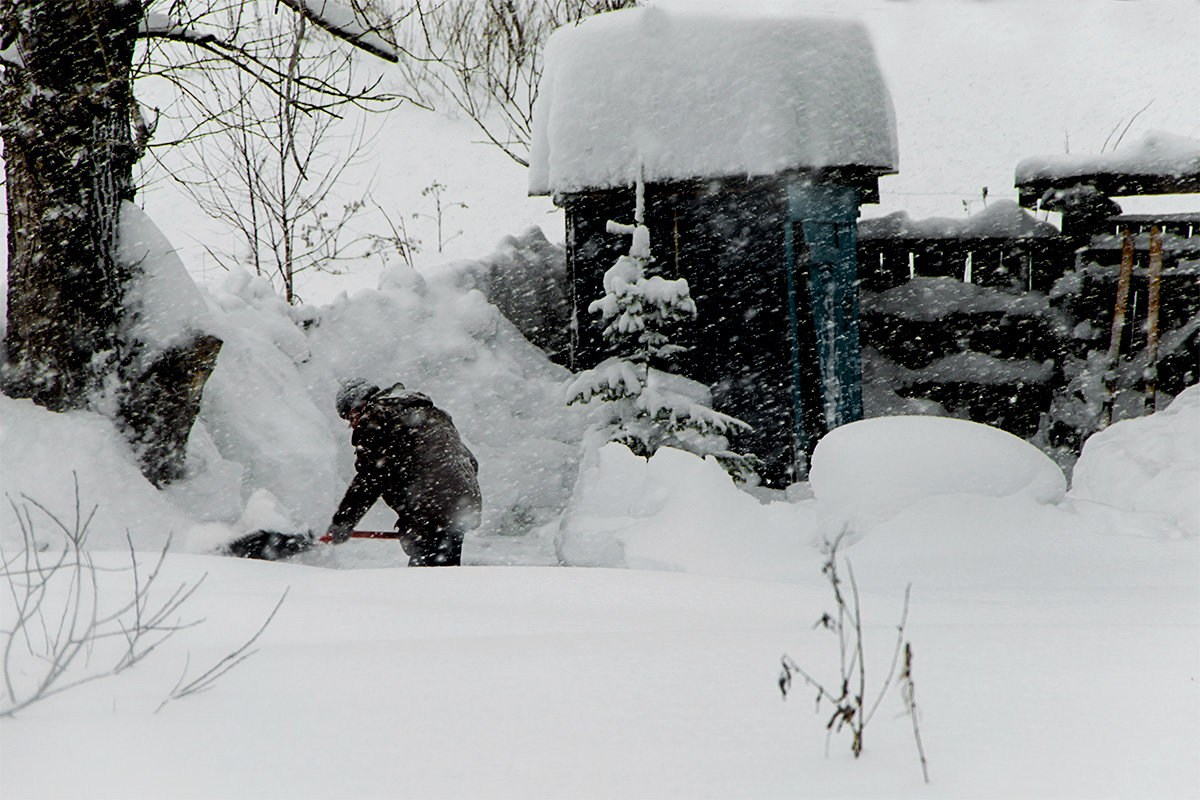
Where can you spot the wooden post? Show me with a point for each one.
(1152, 292)
(1118, 326)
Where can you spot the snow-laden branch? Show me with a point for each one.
(160, 26)
(334, 18)
(345, 24)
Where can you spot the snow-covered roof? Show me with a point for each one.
(1165, 161)
(688, 94)
(1003, 219)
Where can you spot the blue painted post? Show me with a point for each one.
(826, 215)
(800, 443)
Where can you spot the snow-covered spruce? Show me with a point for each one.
(650, 408)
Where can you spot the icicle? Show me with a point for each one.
(639, 208)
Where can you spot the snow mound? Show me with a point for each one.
(268, 449)
(875, 467)
(676, 511)
(924, 299)
(686, 94)
(47, 456)
(526, 278)
(1148, 464)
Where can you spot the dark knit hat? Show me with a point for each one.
(353, 395)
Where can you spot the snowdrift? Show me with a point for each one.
(1148, 464)
(876, 466)
(267, 428)
(675, 511)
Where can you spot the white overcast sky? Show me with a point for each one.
(980, 84)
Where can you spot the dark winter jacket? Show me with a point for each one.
(409, 453)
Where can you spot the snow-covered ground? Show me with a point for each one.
(1056, 655)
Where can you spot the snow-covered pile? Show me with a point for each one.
(929, 299)
(1003, 219)
(268, 438)
(1147, 464)
(526, 278)
(877, 466)
(676, 511)
(683, 94)
(43, 454)
(504, 395)
(1156, 153)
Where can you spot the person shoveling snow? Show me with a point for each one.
(407, 452)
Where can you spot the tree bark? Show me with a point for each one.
(66, 104)
(68, 149)
(160, 406)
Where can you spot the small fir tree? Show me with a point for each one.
(648, 407)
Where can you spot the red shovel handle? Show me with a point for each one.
(365, 535)
(374, 534)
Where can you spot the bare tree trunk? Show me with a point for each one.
(66, 102)
(68, 152)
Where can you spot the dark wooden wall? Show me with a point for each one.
(727, 239)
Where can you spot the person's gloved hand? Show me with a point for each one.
(337, 534)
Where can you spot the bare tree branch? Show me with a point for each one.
(485, 59)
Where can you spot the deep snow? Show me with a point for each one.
(1056, 651)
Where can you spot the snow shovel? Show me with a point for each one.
(275, 546)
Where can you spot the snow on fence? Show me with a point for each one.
(1001, 319)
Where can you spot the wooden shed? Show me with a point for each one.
(758, 139)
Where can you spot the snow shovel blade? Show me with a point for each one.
(276, 546)
(270, 545)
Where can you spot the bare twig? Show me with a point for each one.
(1128, 125)
(848, 705)
(58, 612)
(895, 654)
(486, 59)
(205, 681)
(910, 703)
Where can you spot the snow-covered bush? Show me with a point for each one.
(649, 408)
